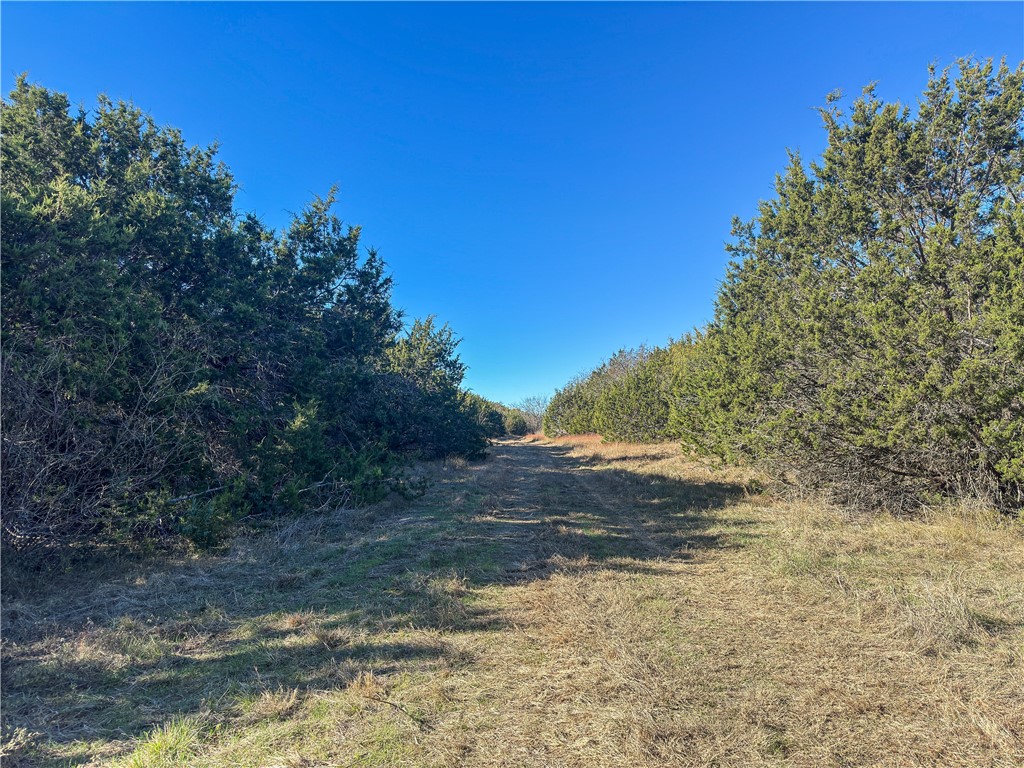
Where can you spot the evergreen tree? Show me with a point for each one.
(867, 337)
(169, 365)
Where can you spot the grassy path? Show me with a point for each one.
(562, 604)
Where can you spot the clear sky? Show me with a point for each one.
(556, 181)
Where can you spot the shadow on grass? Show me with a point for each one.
(602, 516)
(326, 600)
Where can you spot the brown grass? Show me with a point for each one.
(567, 603)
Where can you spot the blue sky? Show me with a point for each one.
(555, 180)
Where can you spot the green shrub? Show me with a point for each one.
(625, 398)
(514, 423)
(635, 408)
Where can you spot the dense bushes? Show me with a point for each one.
(495, 419)
(625, 398)
(169, 365)
(869, 336)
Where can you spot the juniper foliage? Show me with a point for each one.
(869, 334)
(170, 365)
(868, 337)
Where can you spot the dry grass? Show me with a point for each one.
(567, 603)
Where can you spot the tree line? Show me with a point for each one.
(868, 336)
(171, 365)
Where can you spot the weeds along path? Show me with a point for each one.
(561, 604)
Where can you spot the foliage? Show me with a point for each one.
(635, 408)
(515, 422)
(502, 420)
(625, 398)
(868, 334)
(161, 350)
(868, 338)
(571, 410)
(435, 417)
(497, 420)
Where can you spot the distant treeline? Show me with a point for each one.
(171, 365)
(868, 337)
